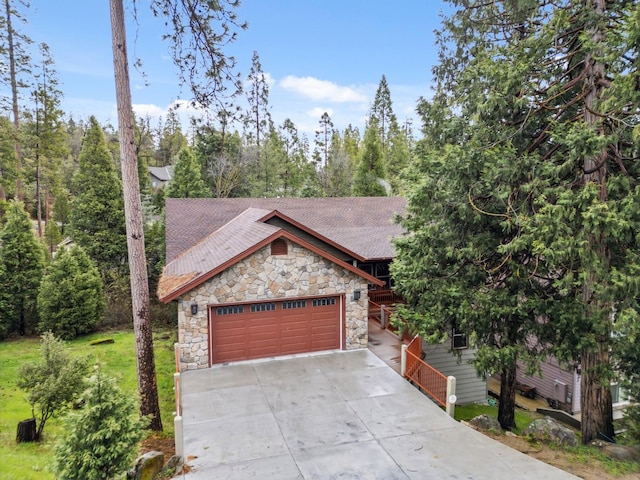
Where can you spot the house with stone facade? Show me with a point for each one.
(258, 278)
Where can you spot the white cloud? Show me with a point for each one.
(322, 90)
(268, 78)
(317, 112)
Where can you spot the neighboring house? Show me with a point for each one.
(258, 278)
(560, 386)
(160, 176)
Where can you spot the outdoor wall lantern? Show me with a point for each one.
(194, 308)
(356, 295)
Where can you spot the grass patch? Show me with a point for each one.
(28, 461)
(467, 412)
(584, 454)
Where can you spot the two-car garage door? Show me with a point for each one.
(272, 328)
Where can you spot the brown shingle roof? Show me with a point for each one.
(363, 225)
(216, 250)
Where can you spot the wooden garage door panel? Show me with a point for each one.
(268, 331)
(324, 330)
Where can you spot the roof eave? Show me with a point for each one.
(319, 236)
(280, 233)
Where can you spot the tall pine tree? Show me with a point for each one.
(370, 171)
(22, 264)
(96, 218)
(187, 179)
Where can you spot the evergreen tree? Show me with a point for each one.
(22, 263)
(187, 179)
(52, 236)
(529, 176)
(171, 139)
(61, 208)
(7, 157)
(257, 120)
(53, 382)
(70, 301)
(351, 144)
(382, 109)
(101, 439)
(14, 50)
(224, 167)
(96, 219)
(398, 156)
(323, 140)
(46, 143)
(296, 168)
(370, 170)
(274, 160)
(145, 149)
(626, 356)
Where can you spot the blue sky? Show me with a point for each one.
(321, 55)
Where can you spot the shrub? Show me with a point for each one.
(53, 382)
(101, 439)
(70, 299)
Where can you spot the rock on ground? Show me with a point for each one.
(548, 430)
(485, 422)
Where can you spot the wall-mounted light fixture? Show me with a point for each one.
(356, 295)
(194, 308)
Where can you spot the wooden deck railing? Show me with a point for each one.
(380, 313)
(430, 380)
(385, 297)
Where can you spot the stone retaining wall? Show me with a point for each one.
(262, 276)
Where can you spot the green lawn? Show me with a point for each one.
(31, 461)
(467, 412)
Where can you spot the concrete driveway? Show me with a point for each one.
(337, 415)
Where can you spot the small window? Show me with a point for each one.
(279, 247)
(458, 340)
(294, 304)
(234, 309)
(321, 302)
(262, 307)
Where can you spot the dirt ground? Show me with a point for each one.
(589, 469)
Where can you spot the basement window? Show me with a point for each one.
(279, 247)
(458, 340)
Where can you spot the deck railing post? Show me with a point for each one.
(383, 320)
(177, 418)
(451, 396)
(403, 359)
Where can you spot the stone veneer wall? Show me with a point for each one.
(263, 276)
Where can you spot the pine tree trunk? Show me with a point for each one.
(147, 385)
(595, 397)
(595, 400)
(507, 405)
(14, 97)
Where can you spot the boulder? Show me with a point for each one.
(550, 431)
(625, 453)
(147, 466)
(485, 422)
(171, 468)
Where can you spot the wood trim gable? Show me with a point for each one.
(279, 234)
(304, 228)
